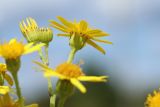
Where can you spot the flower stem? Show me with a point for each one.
(62, 101)
(18, 89)
(45, 60)
(71, 55)
(46, 53)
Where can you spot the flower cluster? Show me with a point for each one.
(69, 74)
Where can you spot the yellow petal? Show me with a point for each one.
(24, 24)
(29, 45)
(83, 26)
(33, 22)
(96, 46)
(65, 22)
(34, 48)
(21, 27)
(100, 34)
(54, 23)
(12, 41)
(79, 85)
(93, 78)
(95, 31)
(8, 79)
(48, 71)
(53, 73)
(104, 41)
(28, 22)
(66, 35)
(42, 65)
(4, 89)
(59, 28)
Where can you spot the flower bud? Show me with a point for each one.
(33, 33)
(13, 65)
(28, 28)
(45, 35)
(77, 42)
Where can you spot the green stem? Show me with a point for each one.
(1, 80)
(46, 53)
(18, 89)
(61, 101)
(45, 60)
(53, 100)
(41, 55)
(71, 55)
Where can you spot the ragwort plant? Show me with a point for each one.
(38, 39)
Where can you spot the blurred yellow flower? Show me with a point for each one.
(80, 31)
(33, 33)
(15, 49)
(72, 73)
(4, 90)
(7, 101)
(153, 100)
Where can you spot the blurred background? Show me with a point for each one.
(132, 62)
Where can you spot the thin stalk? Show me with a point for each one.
(45, 60)
(71, 55)
(18, 89)
(62, 101)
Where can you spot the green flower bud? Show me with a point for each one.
(33, 33)
(45, 35)
(77, 42)
(13, 65)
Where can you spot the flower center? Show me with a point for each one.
(12, 50)
(3, 68)
(69, 70)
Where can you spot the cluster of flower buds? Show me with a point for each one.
(33, 33)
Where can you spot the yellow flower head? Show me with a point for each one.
(153, 100)
(80, 33)
(72, 73)
(33, 33)
(15, 49)
(7, 101)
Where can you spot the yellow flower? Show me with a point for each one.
(33, 33)
(153, 100)
(72, 73)
(4, 75)
(4, 90)
(15, 49)
(7, 101)
(80, 32)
